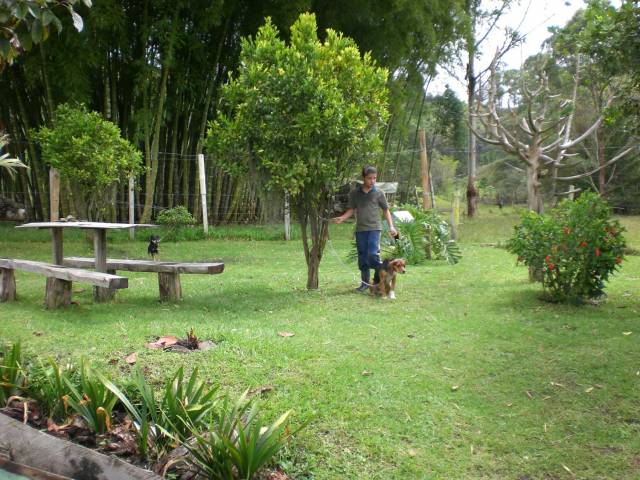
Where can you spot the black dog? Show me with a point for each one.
(152, 249)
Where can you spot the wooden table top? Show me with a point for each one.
(85, 224)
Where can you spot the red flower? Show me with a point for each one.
(618, 260)
(597, 252)
(551, 266)
(567, 230)
(547, 258)
(583, 244)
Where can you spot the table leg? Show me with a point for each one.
(56, 237)
(101, 294)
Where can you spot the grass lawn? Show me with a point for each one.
(467, 375)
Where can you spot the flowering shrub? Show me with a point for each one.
(576, 246)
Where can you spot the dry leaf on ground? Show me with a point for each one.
(286, 334)
(131, 358)
(163, 342)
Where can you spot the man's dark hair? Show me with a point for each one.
(368, 170)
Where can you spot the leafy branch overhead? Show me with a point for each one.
(24, 23)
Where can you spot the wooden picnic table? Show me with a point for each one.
(100, 294)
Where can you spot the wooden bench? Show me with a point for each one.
(59, 280)
(168, 272)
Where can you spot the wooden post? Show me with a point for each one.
(7, 285)
(101, 294)
(54, 194)
(56, 238)
(132, 208)
(58, 293)
(170, 287)
(455, 215)
(203, 193)
(424, 161)
(571, 193)
(287, 217)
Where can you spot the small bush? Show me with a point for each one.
(175, 220)
(576, 246)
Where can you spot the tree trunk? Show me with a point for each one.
(471, 8)
(472, 156)
(534, 199)
(309, 216)
(602, 177)
(152, 162)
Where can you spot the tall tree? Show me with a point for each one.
(299, 118)
(538, 134)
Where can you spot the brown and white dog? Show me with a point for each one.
(388, 274)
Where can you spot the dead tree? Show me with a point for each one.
(539, 139)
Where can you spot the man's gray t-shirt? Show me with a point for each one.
(367, 206)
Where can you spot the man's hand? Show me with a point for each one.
(337, 220)
(393, 231)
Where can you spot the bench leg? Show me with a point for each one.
(101, 294)
(170, 288)
(58, 293)
(7, 285)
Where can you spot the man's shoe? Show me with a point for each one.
(363, 288)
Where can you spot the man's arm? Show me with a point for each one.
(387, 216)
(343, 217)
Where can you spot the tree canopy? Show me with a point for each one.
(301, 118)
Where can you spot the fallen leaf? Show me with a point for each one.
(38, 334)
(589, 390)
(454, 388)
(260, 390)
(529, 393)
(627, 333)
(366, 373)
(163, 342)
(597, 385)
(131, 358)
(568, 470)
(546, 397)
(554, 384)
(113, 361)
(412, 452)
(545, 427)
(286, 334)
(509, 404)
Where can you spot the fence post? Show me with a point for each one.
(54, 195)
(287, 217)
(455, 215)
(424, 161)
(203, 193)
(132, 208)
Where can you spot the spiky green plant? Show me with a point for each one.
(12, 377)
(48, 387)
(93, 401)
(237, 444)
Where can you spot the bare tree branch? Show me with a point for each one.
(610, 162)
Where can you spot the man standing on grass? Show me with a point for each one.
(366, 200)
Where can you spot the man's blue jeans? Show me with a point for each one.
(368, 245)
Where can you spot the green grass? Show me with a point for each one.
(522, 366)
